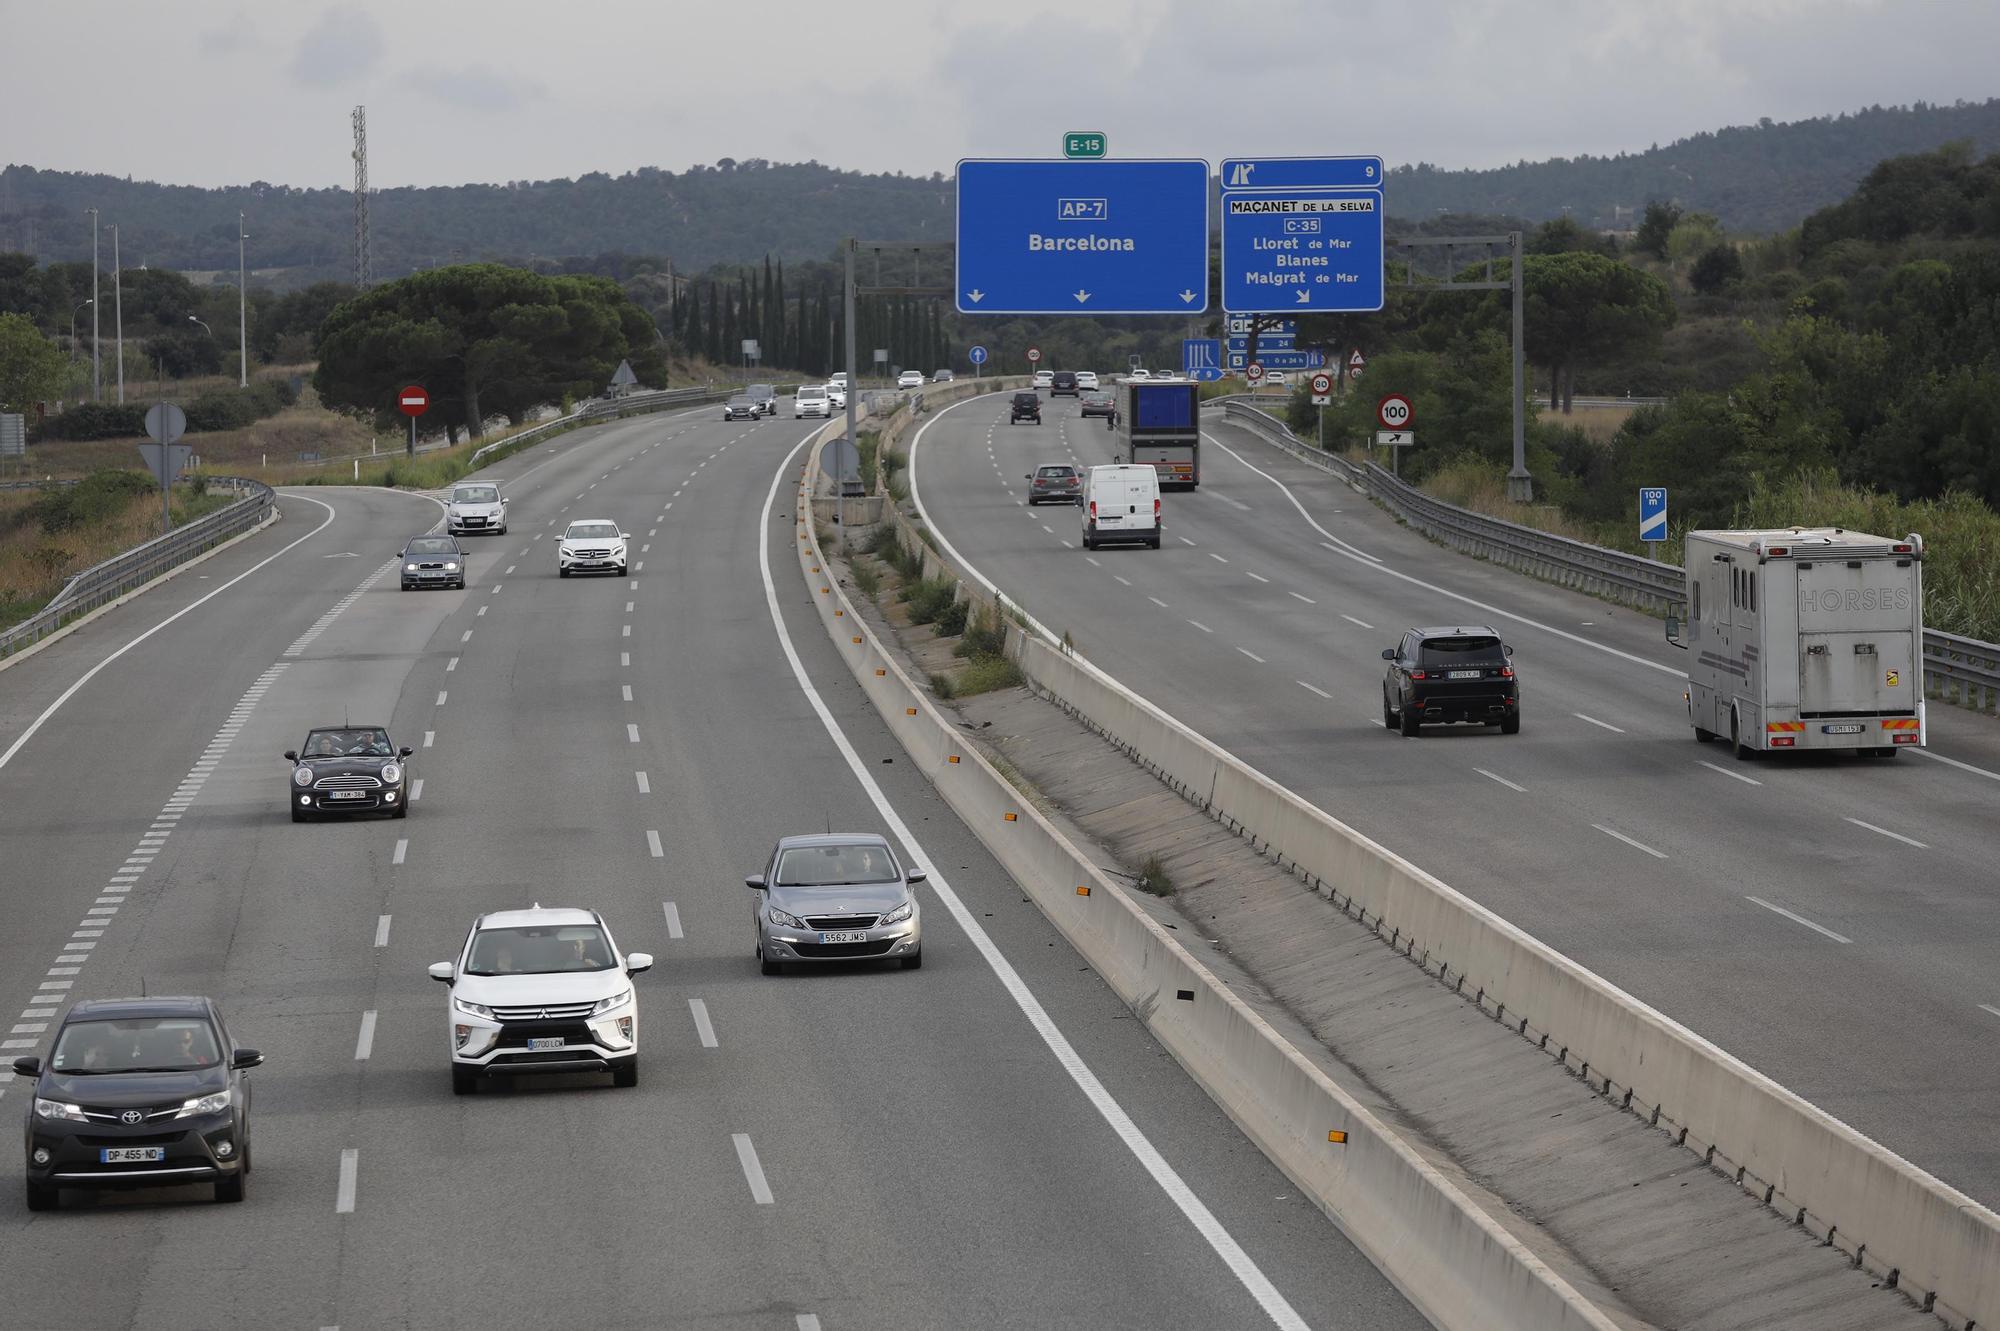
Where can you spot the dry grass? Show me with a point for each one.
(1482, 487)
(1600, 423)
(34, 566)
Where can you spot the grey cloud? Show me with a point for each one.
(234, 33)
(477, 88)
(344, 44)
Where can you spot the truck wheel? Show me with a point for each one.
(1736, 744)
(1704, 736)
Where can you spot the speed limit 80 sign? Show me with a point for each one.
(1395, 412)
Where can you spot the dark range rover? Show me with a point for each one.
(1451, 674)
(139, 1093)
(1027, 406)
(348, 769)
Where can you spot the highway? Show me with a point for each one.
(1833, 922)
(991, 1141)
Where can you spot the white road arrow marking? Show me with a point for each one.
(344, 554)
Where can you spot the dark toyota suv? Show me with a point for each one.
(1451, 674)
(1063, 382)
(139, 1093)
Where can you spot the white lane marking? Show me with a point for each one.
(1185, 541)
(91, 673)
(1093, 559)
(653, 843)
(451, 665)
(1203, 627)
(483, 609)
(364, 1044)
(1135, 1140)
(1259, 576)
(702, 1026)
(628, 605)
(1332, 542)
(1747, 780)
(753, 1172)
(1252, 655)
(510, 571)
(632, 733)
(1157, 601)
(1217, 558)
(1047, 528)
(628, 691)
(1362, 622)
(416, 790)
(1307, 599)
(350, 1165)
(441, 697)
(1636, 845)
(1988, 1007)
(1310, 688)
(627, 631)
(465, 637)
(1893, 836)
(1796, 918)
(1483, 772)
(402, 849)
(1238, 503)
(381, 931)
(1594, 721)
(673, 920)
(429, 735)
(1125, 580)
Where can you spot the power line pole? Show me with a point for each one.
(242, 307)
(96, 361)
(363, 267)
(118, 306)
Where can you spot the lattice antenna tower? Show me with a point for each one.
(364, 268)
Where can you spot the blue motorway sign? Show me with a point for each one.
(1266, 342)
(1125, 236)
(1238, 325)
(1278, 360)
(977, 355)
(1199, 354)
(1301, 250)
(1652, 513)
(1290, 173)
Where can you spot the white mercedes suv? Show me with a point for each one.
(542, 990)
(591, 545)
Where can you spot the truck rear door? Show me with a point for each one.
(1857, 637)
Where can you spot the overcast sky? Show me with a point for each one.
(215, 92)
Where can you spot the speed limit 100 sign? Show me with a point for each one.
(1394, 412)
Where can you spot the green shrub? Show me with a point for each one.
(92, 499)
(1153, 878)
(986, 674)
(866, 579)
(951, 620)
(929, 597)
(942, 686)
(985, 634)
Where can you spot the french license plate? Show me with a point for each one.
(348, 795)
(545, 1042)
(131, 1155)
(1464, 674)
(847, 936)
(1841, 730)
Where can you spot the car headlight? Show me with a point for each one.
(391, 773)
(472, 1009)
(451, 566)
(57, 1109)
(205, 1104)
(901, 913)
(409, 568)
(781, 917)
(302, 776)
(617, 1000)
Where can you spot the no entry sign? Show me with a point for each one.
(413, 400)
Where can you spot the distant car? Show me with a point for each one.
(838, 379)
(1139, 374)
(740, 408)
(1451, 674)
(1026, 407)
(590, 545)
(811, 400)
(1063, 382)
(433, 561)
(910, 379)
(836, 395)
(541, 990)
(1044, 378)
(941, 377)
(476, 506)
(348, 769)
(139, 1093)
(1058, 481)
(842, 897)
(1086, 380)
(1098, 404)
(1275, 378)
(766, 398)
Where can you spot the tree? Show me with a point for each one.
(183, 353)
(1655, 225)
(31, 368)
(1719, 268)
(1585, 308)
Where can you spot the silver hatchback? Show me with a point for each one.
(840, 897)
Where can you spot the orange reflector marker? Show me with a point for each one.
(1082, 891)
(815, 568)
(880, 673)
(839, 613)
(1337, 1137)
(824, 590)
(909, 711)
(1011, 817)
(952, 758)
(857, 639)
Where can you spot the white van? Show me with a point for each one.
(1120, 503)
(811, 400)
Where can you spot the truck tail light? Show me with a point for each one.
(1905, 738)
(1781, 741)
(1900, 548)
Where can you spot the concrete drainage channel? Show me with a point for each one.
(1456, 1261)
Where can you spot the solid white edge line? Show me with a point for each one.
(1796, 918)
(703, 1027)
(1747, 780)
(1491, 776)
(1893, 836)
(1163, 1174)
(1988, 1007)
(1636, 845)
(1963, 767)
(753, 1170)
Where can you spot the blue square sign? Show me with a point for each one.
(1652, 513)
(1301, 250)
(1083, 237)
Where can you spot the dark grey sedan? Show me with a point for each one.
(433, 561)
(840, 897)
(1057, 481)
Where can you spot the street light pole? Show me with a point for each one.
(72, 327)
(96, 364)
(118, 309)
(242, 308)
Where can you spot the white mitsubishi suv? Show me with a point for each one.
(542, 990)
(591, 545)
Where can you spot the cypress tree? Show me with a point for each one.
(689, 310)
(714, 347)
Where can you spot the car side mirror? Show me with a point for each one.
(240, 1059)
(1388, 653)
(441, 972)
(638, 961)
(1507, 648)
(405, 751)
(755, 881)
(1027, 478)
(915, 876)
(1674, 631)
(28, 1067)
(292, 754)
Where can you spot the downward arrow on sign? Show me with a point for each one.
(975, 296)
(1081, 295)
(1188, 297)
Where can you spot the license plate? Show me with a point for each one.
(848, 936)
(348, 795)
(1841, 730)
(131, 1155)
(1464, 674)
(545, 1042)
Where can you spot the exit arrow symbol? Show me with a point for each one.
(1188, 297)
(1081, 295)
(344, 554)
(975, 296)
(1305, 297)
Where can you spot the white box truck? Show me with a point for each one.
(1804, 638)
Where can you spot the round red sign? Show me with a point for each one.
(1034, 354)
(413, 400)
(1254, 373)
(1322, 384)
(1395, 412)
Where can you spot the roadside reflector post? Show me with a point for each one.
(1010, 817)
(1337, 1137)
(1082, 890)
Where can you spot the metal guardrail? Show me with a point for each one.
(106, 582)
(1960, 670)
(605, 410)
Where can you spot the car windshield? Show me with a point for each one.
(539, 950)
(830, 866)
(760, 390)
(811, 391)
(1056, 473)
(1444, 653)
(1026, 399)
(740, 402)
(360, 742)
(1096, 398)
(432, 545)
(592, 531)
(476, 494)
(136, 1044)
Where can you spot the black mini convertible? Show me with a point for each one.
(348, 769)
